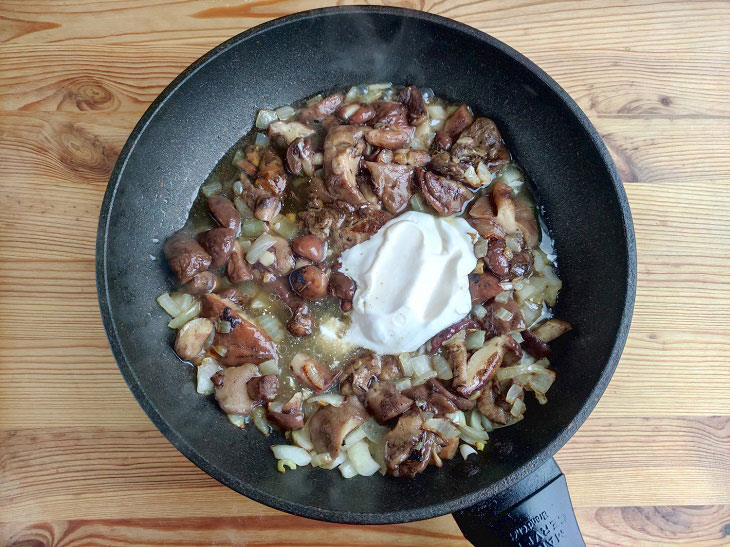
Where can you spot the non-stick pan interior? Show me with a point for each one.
(206, 111)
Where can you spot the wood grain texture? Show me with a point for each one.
(80, 464)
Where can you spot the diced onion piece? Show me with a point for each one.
(518, 408)
(352, 94)
(513, 393)
(405, 364)
(479, 311)
(318, 460)
(272, 326)
(475, 340)
(469, 433)
(512, 243)
(518, 337)
(258, 416)
(418, 204)
(504, 314)
(185, 316)
(471, 177)
(423, 378)
(347, 469)
(442, 427)
(436, 111)
(301, 437)
(362, 461)
(290, 452)
(481, 248)
(402, 383)
(486, 424)
(211, 188)
(269, 367)
(281, 465)
(383, 85)
(208, 367)
(466, 450)
(285, 113)
(224, 327)
(355, 436)
(220, 350)
(242, 208)
(442, 368)
(457, 417)
(484, 174)
(503, 298)
(332, 399)
(169, 305)
(284, 227)
(473, 420)
(318, 159)
(183, 300)
(264, 118)
(331, 464)
(267, 258)
(374, 431)
(261, 245)
(238, 420)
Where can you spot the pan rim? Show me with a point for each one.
(390, 517)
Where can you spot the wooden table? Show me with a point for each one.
(79, 461)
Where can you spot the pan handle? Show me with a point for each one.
(535, 511)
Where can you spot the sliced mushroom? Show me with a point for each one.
(392, 183)
(343, 147)
(385, 402)
(407, 446)
(527, 221)
(413, 99)
(329, 425)
(414, 158)
(310, 247)
(488, 404)
(224, 212)
(185, 257)
(504, 201)
(299, 157)
(309, 282)
(191, 337)
(237, 269)
(218, 243)
(461, 119)
(301, 321)
(483, 287)
(321, 109)
(450, 331)
(480, 367)
(213, 306)
(290, 416)
(360, 372)
(391, 138)
(310, 373)
(496, 259)
(448, 450)
(231, 391)
(201, 283)
(515, 322)
(445, 195)
(551, 329)
(271, 176)
(263, 388)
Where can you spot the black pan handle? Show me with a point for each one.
(535, 511)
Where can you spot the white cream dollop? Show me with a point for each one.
(412, 281)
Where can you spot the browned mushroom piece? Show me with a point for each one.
(218, 243)
(445, 195)
(299, 157)
(450, 331)
(356, 113)
(504, 203)
(448, 449)
(321, 109)
(343, 147)
(385, 402)
(264, 205)
(185, 257)
(390, 114)
(250, 162)
(231, 391)
(329, 425)
(496, 259)
(472, 375)
(520, 265)
(310, 247)
(488, 404)
(237, 268)
(414, 158)
(289, 131)
(390, 368)
(360, 371)
(481, 142)
(301, 321)
(224, 212)
(201, 283)
(360, 227)
(461, 119)
(309, 282)
(483, 287)
(311, 373)
(510, 320)
(392, 183)
(284, 258)
(290, 416)
(551, 329)
(263, 388)
(391, 138)
(213, 306)
(235, 296)
(271, 176)
(429, 400)
(191, 338)
(526, 221)
(413, 99)
(407, 446)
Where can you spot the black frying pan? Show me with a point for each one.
(515, 493)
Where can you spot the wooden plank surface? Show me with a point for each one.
(81, 464)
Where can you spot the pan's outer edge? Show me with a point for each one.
(341, 516)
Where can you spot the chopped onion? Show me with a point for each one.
(374, 431)
(421, 364)
(481, 248)
(506, 285)
(469, 433)
(402, 383)
(168, 304)
(486, 424)
(272, 326)
(262, 141)
(503, 297)
(290, 452)
(475, 340)
(331, 464)
(262, 244)
(238, 420)
(513, 393)
(269, 367)
(185, 316)
(473, 420)
(442, 368)
(380, 86)
(442, 427)
(285, 113)
(281, 465)
(457, 417)
(355, 436)
(518, 408)
(351, 94)
(471, 177)
(211, 188)
(518, 337)
(264, 118)
(347, 469)
(405, 364)
(224, 327)
(242, 207)
(423, 378)
(220, 350)
(512, 243)
(238, 188)
(436, 111)
(362, 461)
(183, 300)
(258, 416)
(332, 399)
(267, 258)
(301, 437)
(286, 228)
(208, 367)
(504, 314)
(479, 311)
(418, 204)
(466, 450)
(484, 174)
(318, 159)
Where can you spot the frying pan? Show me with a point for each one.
(512, 492)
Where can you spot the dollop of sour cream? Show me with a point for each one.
(412, 281)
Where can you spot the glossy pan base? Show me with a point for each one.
(213, 103)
